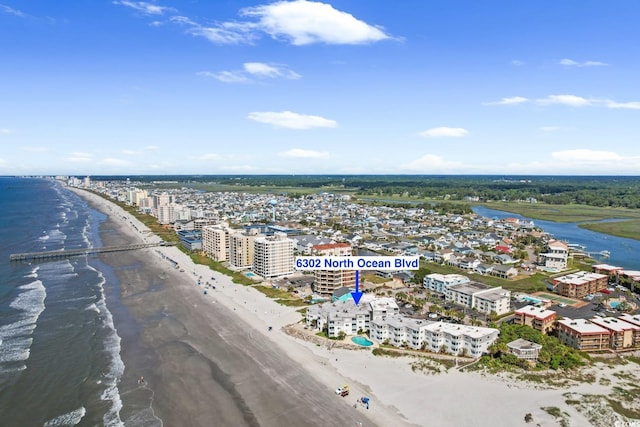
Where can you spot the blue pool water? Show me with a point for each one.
(249, 274)
(614, 304)
(362, 341)
(531, 299)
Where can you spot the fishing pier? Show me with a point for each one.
(67, 253)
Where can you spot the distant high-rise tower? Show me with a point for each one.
(273, 204)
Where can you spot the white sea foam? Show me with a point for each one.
(92, 307)
(16, 336)
(116, 366)
(69, 419)
(34, 273)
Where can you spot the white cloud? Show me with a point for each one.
(517, 62)
(571, 63)
(288, 119)
(585, 156)
(78, 157)
(431, 163)
(622, 105)
(443, 132)
(262, 69)
(5, 131)
(251, 71)
(11, 11)
(299, 153)
(570, 100)
(210, 156)
(550, 128)
(145, 8)
(151, 148)
(514, 100)
(300, 22)
(306, 22)
(35, 149)
(226, 76)
(110, 161)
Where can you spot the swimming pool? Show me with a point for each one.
(249, 274)
(362, 341)
(531, 299)
(614, 304)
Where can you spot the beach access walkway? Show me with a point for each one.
(66, 253)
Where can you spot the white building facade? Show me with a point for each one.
(273, 256)
(440, 282)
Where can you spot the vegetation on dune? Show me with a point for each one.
(553, 355)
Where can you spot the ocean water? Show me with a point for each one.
(60, 361)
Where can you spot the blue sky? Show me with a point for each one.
(290, 87)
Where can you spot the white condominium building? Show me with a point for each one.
(215, 241)
(434, 336)
(273, 256)
(166, 214)
(483, 298)
(440, 282)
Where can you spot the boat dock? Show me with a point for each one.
(66, 253)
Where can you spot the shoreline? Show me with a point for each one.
(210, 359)
(399, 396)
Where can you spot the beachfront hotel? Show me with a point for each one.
(327, 281)
(436, 337)
(538, 318)
(273, 256)
(580, 284)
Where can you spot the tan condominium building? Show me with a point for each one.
(327, 281)
(583, 334)
(273, 256)
(580, 284)
(215, 241)
(538, 318)
(241, 248)
(624, 335)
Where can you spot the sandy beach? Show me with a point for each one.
(211, 360)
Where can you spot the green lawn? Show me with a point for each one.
(564, 213)
(533, 283)
(629, 229)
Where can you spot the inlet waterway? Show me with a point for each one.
(623, 252)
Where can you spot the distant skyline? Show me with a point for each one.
(117, 87)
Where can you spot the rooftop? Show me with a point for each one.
(537, 312)
(583, 326)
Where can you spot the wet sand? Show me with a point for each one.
(202, 364)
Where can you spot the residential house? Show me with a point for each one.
(524, 349)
